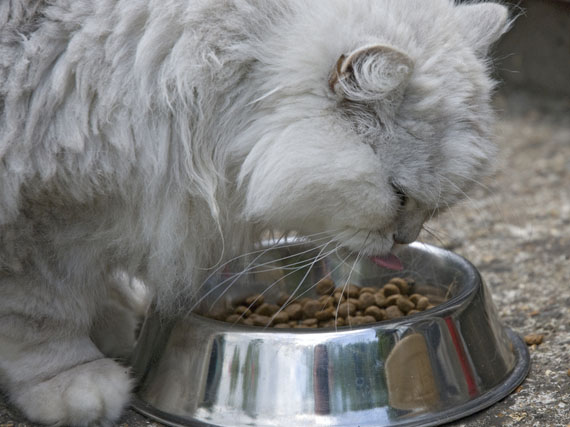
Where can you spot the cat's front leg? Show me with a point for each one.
(49, 367)
(119, 317)
(94, 392)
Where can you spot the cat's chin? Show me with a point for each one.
(374, 245)
(366, 242)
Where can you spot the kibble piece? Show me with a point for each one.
(312, 322)
(248, 321)
(365, 300)
(242, 310)
(392, 299)
(259, 320)
(292, 323)
(353, 301)
(254, 301)
(340, 321)
(283, 298)
(267, 309)
(346, 309)
(281, 317)
(415, 298)
(380, 299)
(422, 303)
(295, 311)
(368, 319)
(376, 312)
(340, 292)
(325, 314)
(281, 325)
(301, 326)
(310, 308)
(353, 291)
(390, 289)
(412, 311)
(233, 318)
(402, 284)
(325, 286)
(368, 289)
(338, 297)
(355, 320)
(219, 314)
(404, 304)
(533, 339)
(326, 301)
(327, 324)
(393, 312)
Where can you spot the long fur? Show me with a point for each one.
(159, 138)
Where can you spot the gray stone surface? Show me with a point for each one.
(516, 230)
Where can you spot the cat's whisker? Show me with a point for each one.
(277, 243)
(343, 261)
(433, 234)
(259, 253)
(301, 267)
(463, 193)
(358, 256)
(317, 258)
(265, 95)
(493, 194)
(234, 277)
(253, 266)
(356, 260)
(302, 280)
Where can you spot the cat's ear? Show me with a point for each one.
(375, 72)
(483, 23)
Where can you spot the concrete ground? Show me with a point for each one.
(515, 227)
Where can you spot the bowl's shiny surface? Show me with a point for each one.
(425, 369)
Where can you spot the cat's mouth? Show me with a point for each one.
(389, 261)
(377, 245)
(374, 244)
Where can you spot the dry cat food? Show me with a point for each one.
(341, 306)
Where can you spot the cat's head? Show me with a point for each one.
(373, 117)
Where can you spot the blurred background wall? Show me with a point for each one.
(535, 54)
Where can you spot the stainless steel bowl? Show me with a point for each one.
(424, 369)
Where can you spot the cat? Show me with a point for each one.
(156, 139)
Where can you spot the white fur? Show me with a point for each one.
(95, 392)
(162, 137)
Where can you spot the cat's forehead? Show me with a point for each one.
(318, 33)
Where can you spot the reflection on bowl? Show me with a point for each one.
(425, 369)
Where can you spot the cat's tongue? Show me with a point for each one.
(390, 261)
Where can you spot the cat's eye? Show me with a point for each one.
(400, 194)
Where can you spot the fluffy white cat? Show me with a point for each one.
(159, 138)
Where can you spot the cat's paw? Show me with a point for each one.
(93, 393)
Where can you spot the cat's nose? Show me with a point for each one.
(408, 229)
(405, 237)
(400, 194)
